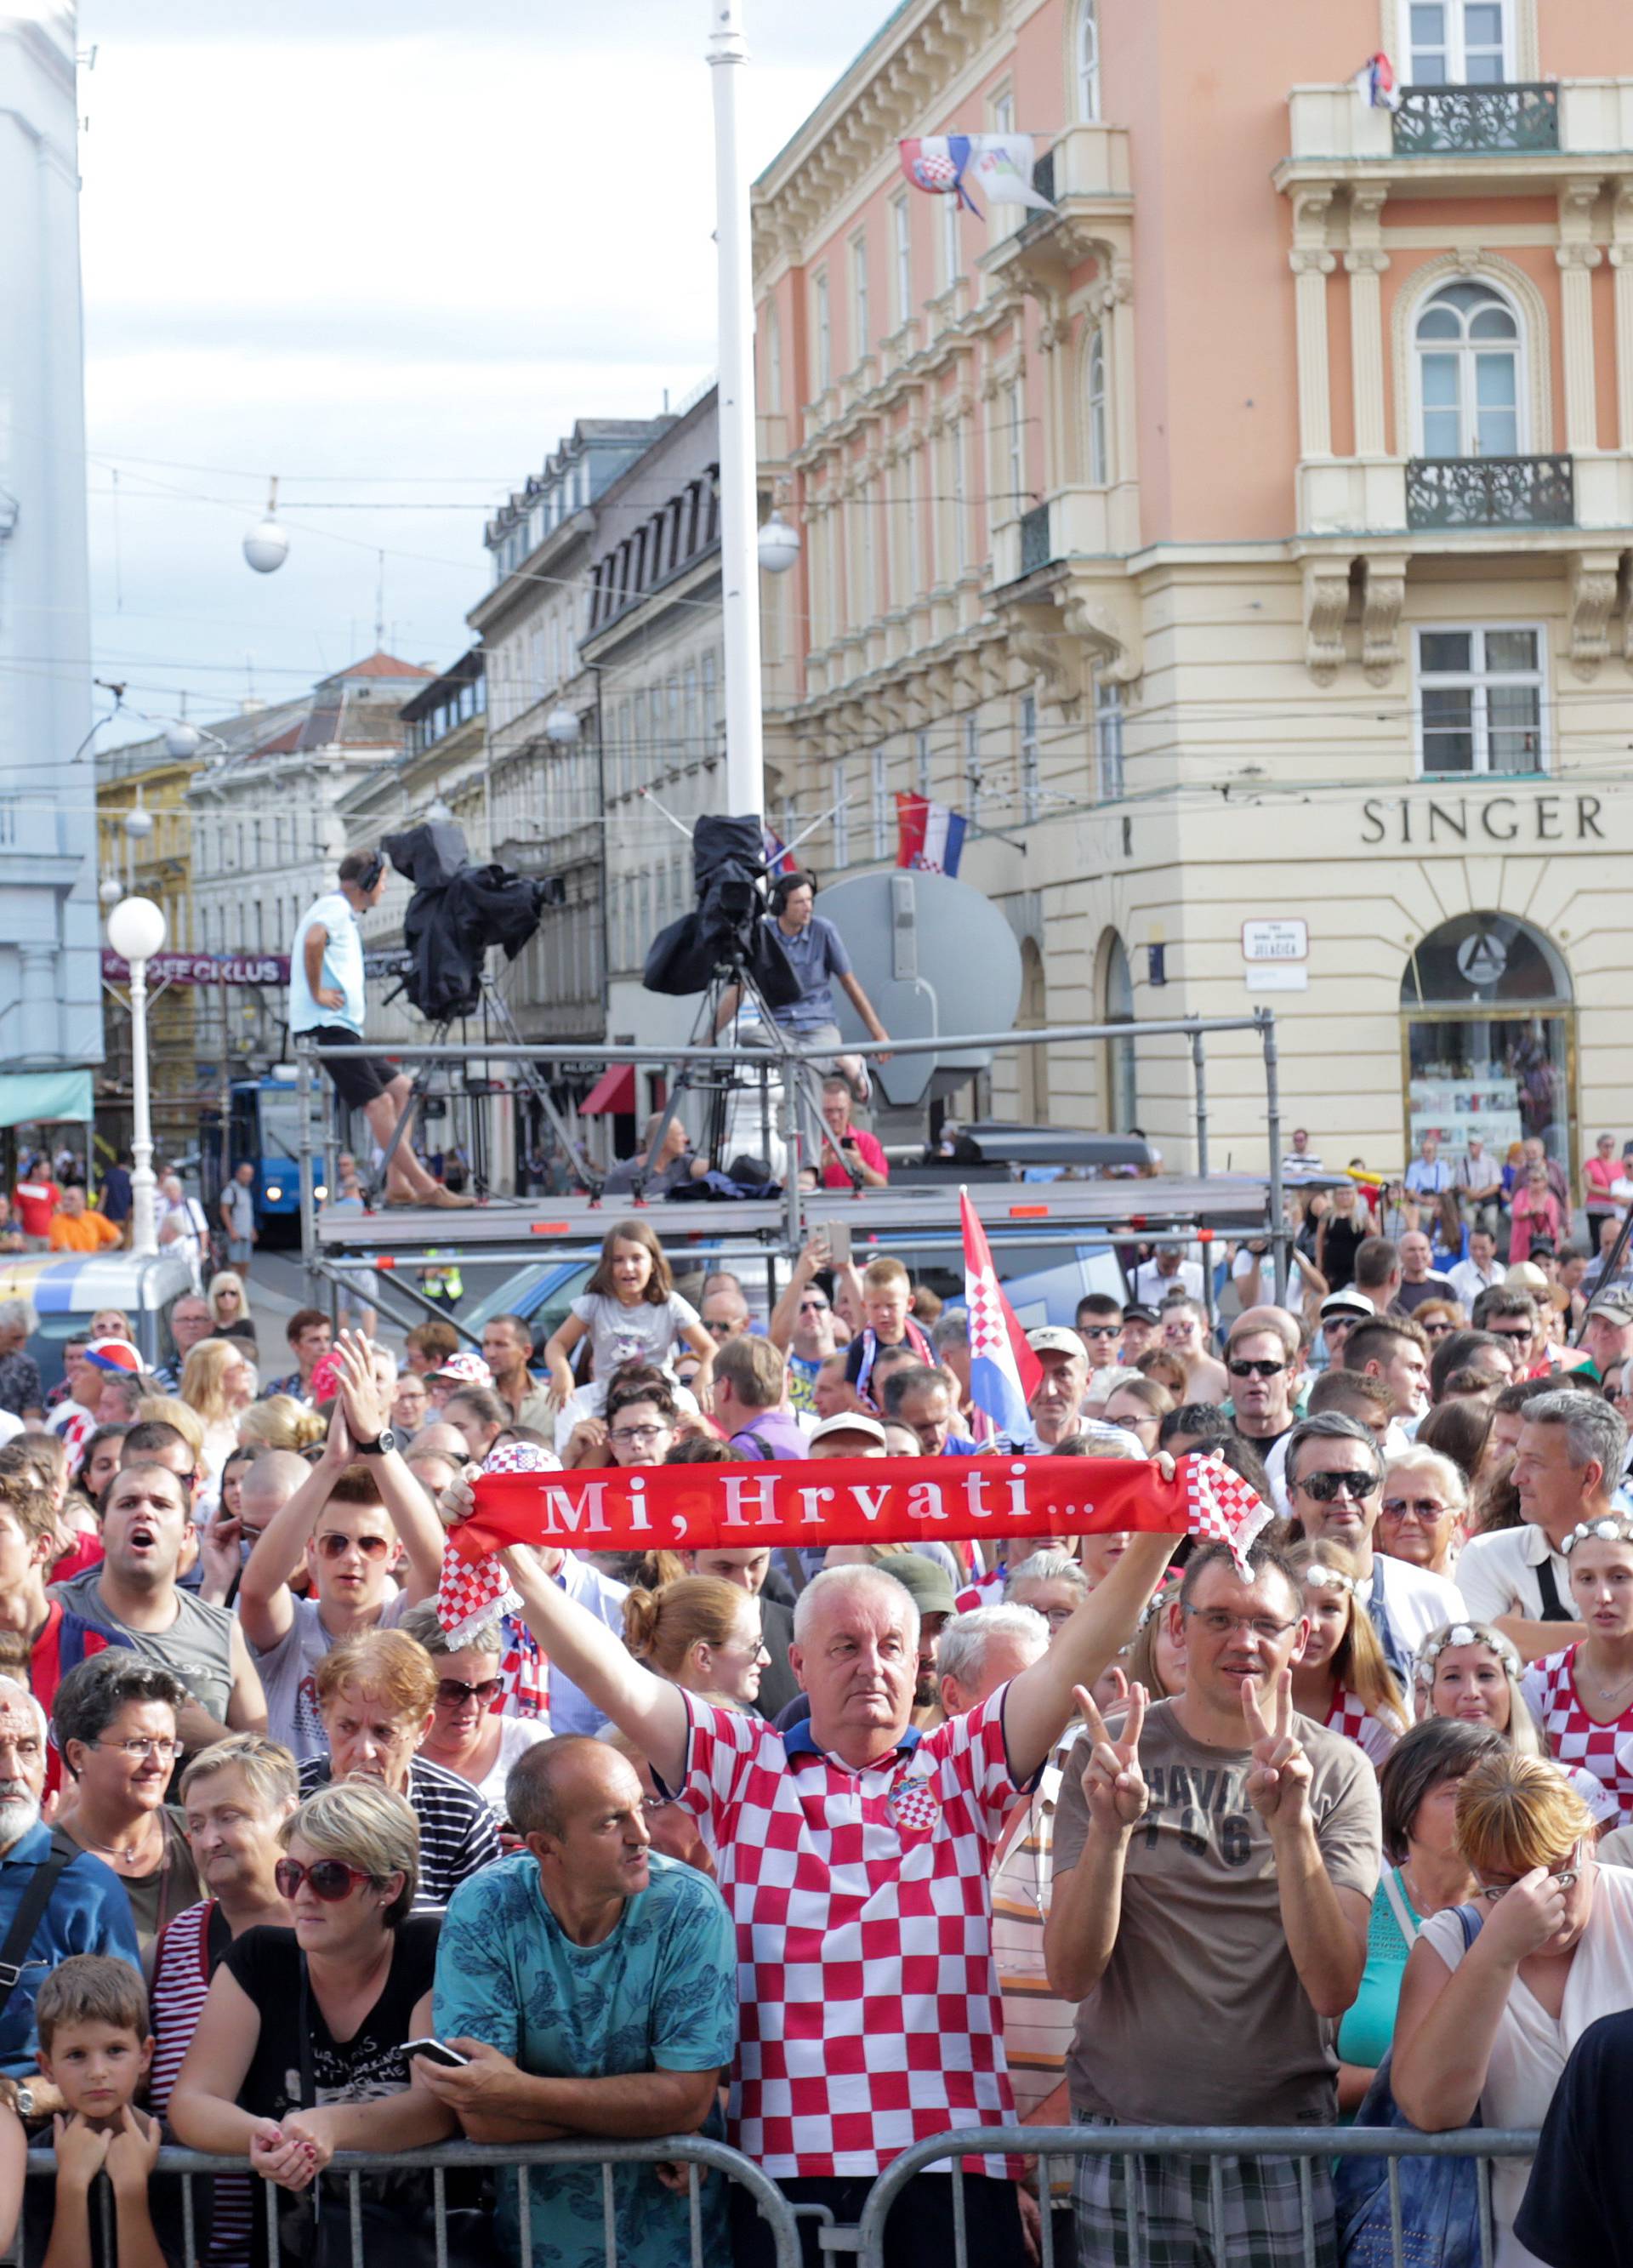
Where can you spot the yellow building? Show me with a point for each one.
(144, 844)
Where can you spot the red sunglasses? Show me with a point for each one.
(331, 1879)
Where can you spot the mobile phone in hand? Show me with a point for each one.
(437, 2052)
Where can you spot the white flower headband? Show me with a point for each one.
(1465, 1634)
(1319, 1577)
(1611, 1529)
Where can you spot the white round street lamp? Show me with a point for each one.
(135, 930)
(562, 726)
(266, 547)
(779, 545)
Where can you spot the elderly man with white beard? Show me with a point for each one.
(55, 1899)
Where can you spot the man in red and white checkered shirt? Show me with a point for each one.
(855, 1857)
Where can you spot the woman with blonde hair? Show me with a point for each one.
(281, 1423)
(1495, 1999)
(1473, 1673)
(228, 1296)
(218, 1385)
(701, 1633)
(170, 1410)
(1342, 1680)
(1157, 1659)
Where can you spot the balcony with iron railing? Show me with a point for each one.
(1490, 492)
(1522, 116)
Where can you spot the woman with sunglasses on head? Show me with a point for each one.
(1342, 1679)
(467, 1735)
(114, 1721)
(1583, 1696)
(1497, 1993)
(346, 1528)
(299, 2050)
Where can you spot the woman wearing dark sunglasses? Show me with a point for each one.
(466, 1736)
(299, 2050)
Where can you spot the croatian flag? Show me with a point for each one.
(986, 1590)
(938, 163)
(778, 860)
(1375, 84)
(929, 835)
(1003, 1371)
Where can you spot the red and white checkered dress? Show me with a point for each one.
(870, 2014)
(1377, 1736)
(1572, 1736)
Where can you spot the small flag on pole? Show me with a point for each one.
(778, 859)
(1003, 1371)
(929, 835)
(1375, 84)
(947, 164)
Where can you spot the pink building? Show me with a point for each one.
(1242, 545)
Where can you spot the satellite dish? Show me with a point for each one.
(934, 956)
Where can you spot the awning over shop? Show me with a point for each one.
(31, 1098)
(612, 1095)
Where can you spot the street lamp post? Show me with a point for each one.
(135, 930)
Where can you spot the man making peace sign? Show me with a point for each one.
(1214, 1869)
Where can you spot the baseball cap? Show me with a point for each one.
(1523, 1276)
(1345, 1303)
(849, 1421)
(1136, 1312)
(1614, 1311)
(113, 1354)
(1053, 1338)
(468, 1369)
(930, 1584)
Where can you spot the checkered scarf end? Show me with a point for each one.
(1222, 1508)
(471, 1597)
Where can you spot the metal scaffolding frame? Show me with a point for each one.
(1166, 1210)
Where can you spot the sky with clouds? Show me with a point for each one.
(391, 267)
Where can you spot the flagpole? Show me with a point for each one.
(739, 512)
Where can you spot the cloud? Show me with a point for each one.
(314, 251)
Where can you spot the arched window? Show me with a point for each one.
(1088, 61)
(1094, 380)
(1123, 1093)
(1468, 347)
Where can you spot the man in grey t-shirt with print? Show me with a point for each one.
(1214, 1871)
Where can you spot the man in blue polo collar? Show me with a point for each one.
(84, 1911)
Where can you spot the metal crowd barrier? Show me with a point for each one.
(1049, 2144)
(699, 2156)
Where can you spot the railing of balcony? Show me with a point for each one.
(1035, 539)
(1490, 492)
(1518, 117)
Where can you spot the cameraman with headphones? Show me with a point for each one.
(325, 1001)
(817, 954)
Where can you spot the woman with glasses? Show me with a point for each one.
(1583, 1696)
(640, 1427)
(1421, 1513)
(1489, 2012)
(1437, 1319)
(1342, 1679)
(300, 2051)
(113, 1722)
(376, 1696)
(1139, 1406)
(228, 1297)
(467, 1735)
(701, 1633)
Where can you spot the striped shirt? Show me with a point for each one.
(1038, 2025)
(457, 1832)
(181, 1972)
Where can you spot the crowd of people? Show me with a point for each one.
(821, 1854)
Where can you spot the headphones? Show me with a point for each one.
(802, 878)
(373, 872)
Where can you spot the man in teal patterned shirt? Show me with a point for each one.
(592, 1984)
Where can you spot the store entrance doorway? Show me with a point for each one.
(1488, 1040)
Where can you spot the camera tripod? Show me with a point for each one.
(498, 1008)
(717, 1082)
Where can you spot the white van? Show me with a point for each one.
(66, 1289)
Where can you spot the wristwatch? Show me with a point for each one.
(24, 2102)
(381, 1446)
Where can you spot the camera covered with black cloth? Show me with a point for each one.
(457, 911)
(727, 932)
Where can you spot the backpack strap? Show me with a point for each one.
(31, 1910)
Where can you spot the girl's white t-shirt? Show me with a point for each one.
(644, 1333)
